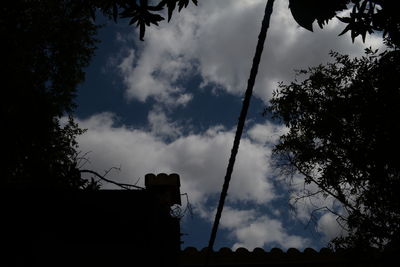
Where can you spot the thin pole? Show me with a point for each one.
(242, 119)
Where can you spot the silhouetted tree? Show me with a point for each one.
(366, 16)
(344, 137)
(45, 46)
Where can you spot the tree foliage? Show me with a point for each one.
(45, 46)
(366, 16)
(344, 137)
(139, 12)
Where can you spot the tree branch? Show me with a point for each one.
(339, 197)
(101, 177)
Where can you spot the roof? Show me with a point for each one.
(190, 256)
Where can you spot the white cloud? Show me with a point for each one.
(267, 133)
(161, 63)
(160, 125)
(329, 226)
(265, 230)
(217, 39)
(200, 159)
(233, 218)
(250, 229)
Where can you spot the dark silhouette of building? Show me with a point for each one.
(92, 228)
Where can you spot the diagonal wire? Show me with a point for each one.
(242, 119)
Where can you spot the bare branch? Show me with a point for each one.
(106, 172)
(309, 194)
(122, 185)
(137, 181)
(336, 213)
(176, 210)
(313, 218)
(188, 205)
(339, 197)
(83, 158)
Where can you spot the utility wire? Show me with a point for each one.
(241, 121)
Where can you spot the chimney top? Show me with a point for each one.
(165, 186)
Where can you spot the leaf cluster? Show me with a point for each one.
(139, 12)
(366, 16)
(305, 12)
(344, 137)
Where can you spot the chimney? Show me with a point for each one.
(165, 186)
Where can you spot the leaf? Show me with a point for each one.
(155, 8)
(371, 8)
(320, 23)
(155, 18)
(142, 17)
(133, 20)
(305, 12)
(363, 6)
(301, 12)
(363, 35)
(142, 29)
(348, 27)
(171, 4)
(182, 4)
(115, 12)
(344, 19)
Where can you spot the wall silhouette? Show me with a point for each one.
(78, 228)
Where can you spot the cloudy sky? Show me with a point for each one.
(170, 104)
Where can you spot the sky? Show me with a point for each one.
(170, 104)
